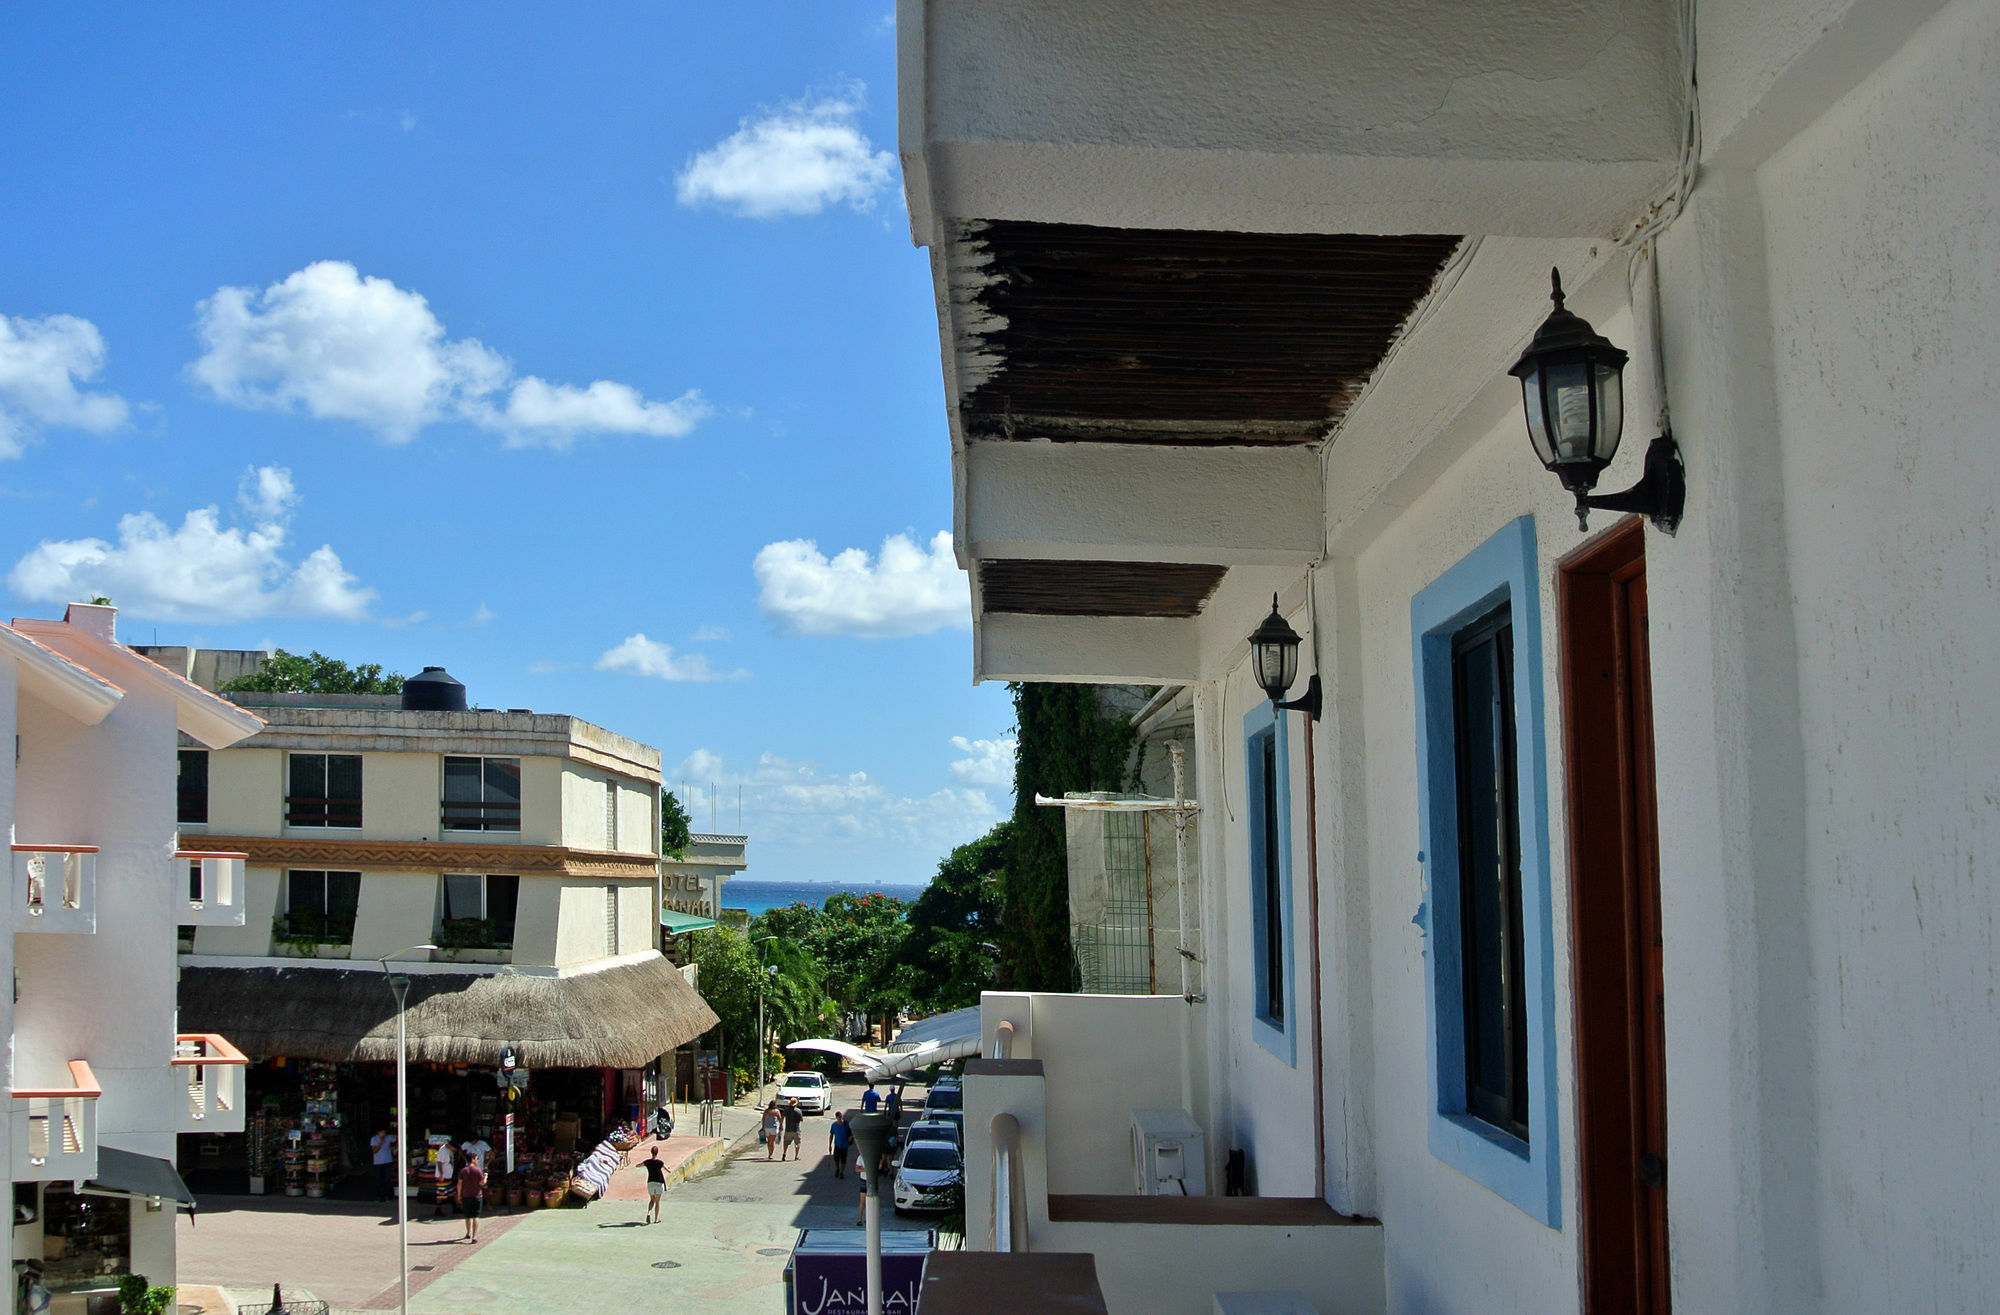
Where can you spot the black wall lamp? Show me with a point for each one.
(1572, 384)
(1274, 656)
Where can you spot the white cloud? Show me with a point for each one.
(795, 161)
(711, 635)
(989, 762)
(405, 622)
(640, 656)
(908, 590)
(796, 804)
(267, 492)
(41, 363)
(484, 615)
(336, 345)
(202, 571)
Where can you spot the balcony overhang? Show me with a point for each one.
(1542, 118)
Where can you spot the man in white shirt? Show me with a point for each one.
(476, 1149)
(383, 1147)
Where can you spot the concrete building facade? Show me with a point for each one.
(1227, 306)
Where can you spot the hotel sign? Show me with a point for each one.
(690, 892)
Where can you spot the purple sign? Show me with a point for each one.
(830, 1272)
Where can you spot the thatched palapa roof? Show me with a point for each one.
(623, 1016)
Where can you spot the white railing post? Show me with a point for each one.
(54, 1129)
(1009, 1234)
(214, 1073)
(214, 887)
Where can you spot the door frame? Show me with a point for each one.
(1615, 941)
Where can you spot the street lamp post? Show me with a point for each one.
(763, 973)
(871, 1135)
(399, 986)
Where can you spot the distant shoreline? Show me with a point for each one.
(759, 896)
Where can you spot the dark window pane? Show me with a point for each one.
(461, 779)
(309, 776)
(343, 897)
(1273, 878)
(503, 780)
(305, 895)
(461, 896)
(503, 894)
(1494, 992)
(192, 786)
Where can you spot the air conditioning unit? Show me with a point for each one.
(1169, 1155)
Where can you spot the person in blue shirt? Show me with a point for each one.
(839, 1142)
(896, 1104)
(870, 1099)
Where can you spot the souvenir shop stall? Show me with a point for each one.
(310, 1122)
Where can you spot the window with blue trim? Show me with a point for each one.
(1270, 825)
(1481, 764)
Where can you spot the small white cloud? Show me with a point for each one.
(556, 415)
(339, 346)
(407, 121)
(267, 493)
(795, 161)
(640, 656)
(405, 622)
(484, 615)
(906, 591)
(202, 571)
(546, 668)
(989, 762)
(711, 635)
(41, 363)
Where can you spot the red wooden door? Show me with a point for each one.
(1615, 925)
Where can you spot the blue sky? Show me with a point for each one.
(569, 348)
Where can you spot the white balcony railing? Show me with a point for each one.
(214, 887)
(54, 1129)
(212, 1070)
(55, 888)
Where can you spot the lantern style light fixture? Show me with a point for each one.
(1274, 657)
(1573, 387)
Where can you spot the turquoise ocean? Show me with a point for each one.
(757, 896)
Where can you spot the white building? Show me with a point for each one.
(1624, 925)
(101, 1081)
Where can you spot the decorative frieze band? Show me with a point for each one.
(430, 855)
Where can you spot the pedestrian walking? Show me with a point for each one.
(382, 1146)
(773, 1124)
(656, 1184)
(870, 1099)
(793, 1117)
(472, 1197)
(895, 1104)
(839, 1141)
(476, 1149)
(663, 1123)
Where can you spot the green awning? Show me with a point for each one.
(138, 1175)
(677, 922)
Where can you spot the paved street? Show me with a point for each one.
(721, 1244)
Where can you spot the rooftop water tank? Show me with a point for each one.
(433, 690)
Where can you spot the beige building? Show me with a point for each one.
(521, 847)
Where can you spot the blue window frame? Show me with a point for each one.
(1483, 820)
(1268, 785)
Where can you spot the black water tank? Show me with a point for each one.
(433, 690)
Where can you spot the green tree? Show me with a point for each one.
(676, 828)
(858, 939)
(1067, 743)
(952, 923)
(727, 974)
(316, 673)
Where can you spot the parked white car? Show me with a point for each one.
(811, 1090)
(935, 1130)
(926, 1167)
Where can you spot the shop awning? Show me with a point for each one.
(137, 1175)
(622, 1016)
(677, 922)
